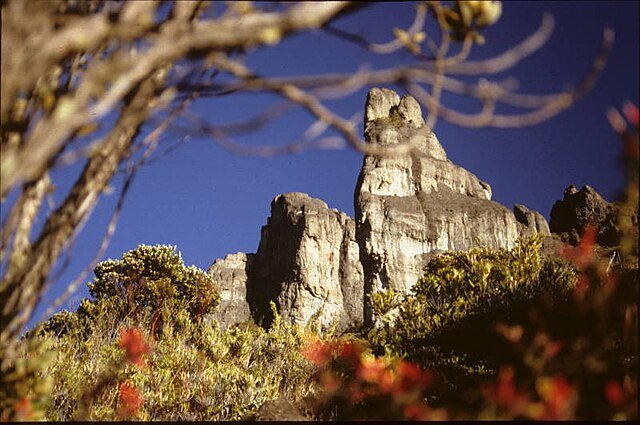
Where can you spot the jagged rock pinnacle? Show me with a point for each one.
(317, 261)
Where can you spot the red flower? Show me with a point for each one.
(355, 393)
(583, 253)
(386, 381)
(503, 392)
(552, 348)
(631, 113)
(350, 353)
(318, 353)
(412, 377)
(23, 409)
(580, 291)
(134, 344)
(329, 382)
(417, 411)
(614, 393)
(370, 370)
(129, 400)
(557, 394)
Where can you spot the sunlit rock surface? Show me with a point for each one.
(230, 274)
(307, 263)
(314, 261)
(410, 207)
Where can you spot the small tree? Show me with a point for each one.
(148, 281)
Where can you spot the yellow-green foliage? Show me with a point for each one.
(24, 389)
(149, 275)
(459, 285)
(144, 280)
(194, 370)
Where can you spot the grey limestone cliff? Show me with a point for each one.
(409, 207)
(307, 263)
(316, 261)
(231, 276)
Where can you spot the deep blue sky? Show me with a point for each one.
(210, 203)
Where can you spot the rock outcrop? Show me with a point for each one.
(410, 207)
(231, 275)
(532, 220)
(580, 208)
(314, 261)
(307, 263)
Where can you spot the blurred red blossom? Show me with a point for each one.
(614, 393)
(558, 396)
(358, 380)
(503, 392)
(412, 377)
(582, 255)
(134, 344)
(129, 400)
(417, 412)
(317, 352)
(552, 348)
(23, 409)
(631, 113)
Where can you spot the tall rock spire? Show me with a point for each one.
(314, 261)
(410, 207)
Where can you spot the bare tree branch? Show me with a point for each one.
(21, 287)
(71, 67)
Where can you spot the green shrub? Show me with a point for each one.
(24, 389)
(447, 321)
(149, 279)
(194, 370)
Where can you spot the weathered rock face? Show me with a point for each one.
(531, 219)
(316, 260)
(412, 206)
(307, 263)
(231, 274)
(390, 120)
(580, 208)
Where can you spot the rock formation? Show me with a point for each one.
(317, 261)
(531, 219)
(412, 206)
(231, 274)
(580, 208)
(307, 262)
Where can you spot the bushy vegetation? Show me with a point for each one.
(148, 281)
(192, 372)
(507, 335)
(142, 349)
(496, 334)
(484, 334)
(448, 320)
